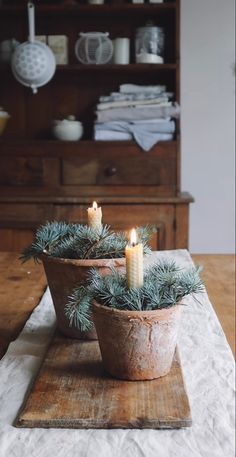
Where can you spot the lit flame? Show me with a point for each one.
(133, 237)
(95, 206)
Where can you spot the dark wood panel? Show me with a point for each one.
(54, 148)
(25, 213)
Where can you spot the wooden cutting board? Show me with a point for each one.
(72, 391)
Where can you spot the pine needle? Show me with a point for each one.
(77, 241)
(165, 284)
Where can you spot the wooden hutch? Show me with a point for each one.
(43, 179)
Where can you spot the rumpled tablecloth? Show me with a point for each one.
(208, 366)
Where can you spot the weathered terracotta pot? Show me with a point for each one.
(63, 275)
(137, 345)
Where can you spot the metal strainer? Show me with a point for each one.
(33, 63)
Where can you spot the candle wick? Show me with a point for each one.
(133, 244)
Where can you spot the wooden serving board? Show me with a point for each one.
(72, 391)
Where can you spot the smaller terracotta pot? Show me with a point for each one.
(63, 275)
(137, 345)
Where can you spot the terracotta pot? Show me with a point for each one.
(137, 345)
(63, 275)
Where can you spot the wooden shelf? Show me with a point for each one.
(55, 148)
(108, 68)
(131, 68)
(182, 197)
(105, 9)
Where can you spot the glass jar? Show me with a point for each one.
(149, 44)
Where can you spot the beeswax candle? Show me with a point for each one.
(134, 262)
(95, 217)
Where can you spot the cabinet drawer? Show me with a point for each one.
(21, 171)
(122, 167)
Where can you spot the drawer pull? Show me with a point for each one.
(110, 171)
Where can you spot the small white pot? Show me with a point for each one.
(68, 129)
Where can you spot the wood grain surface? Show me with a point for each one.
(21, 287)
(73, 391)
(219, 278)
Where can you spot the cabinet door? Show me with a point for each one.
(126, 216)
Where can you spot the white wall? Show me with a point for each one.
(208, 120)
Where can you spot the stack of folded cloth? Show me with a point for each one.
(142, 113)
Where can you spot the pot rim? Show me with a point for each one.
(84, 262)
(126, 314)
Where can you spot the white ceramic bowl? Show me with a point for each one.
(67, 130)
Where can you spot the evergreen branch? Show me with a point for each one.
(164, 286)
(78, 309)
(103, 235)
(77, 241)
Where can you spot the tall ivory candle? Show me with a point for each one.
(134, 262)
(95, 217)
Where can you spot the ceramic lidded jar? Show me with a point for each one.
(68, 129)
(149, 44)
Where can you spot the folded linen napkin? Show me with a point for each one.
(125, 103)
(117, 96)
(145, 138)
(153, 125)
(112, 135)
(134, 88)
(138, 113)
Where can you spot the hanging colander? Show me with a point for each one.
(33, 63)
(94, 48)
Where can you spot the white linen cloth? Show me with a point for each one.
(145, 133)
(112, 135)
(146, 140)
(139, 113)
(208, 366)
(136, 89)
(118, 96)
(152, 125)
(123, 103)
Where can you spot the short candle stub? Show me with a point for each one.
(95, 217)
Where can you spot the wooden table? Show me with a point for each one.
(22, 285)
